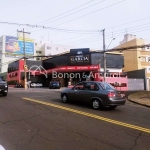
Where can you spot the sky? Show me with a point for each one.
(86, 19)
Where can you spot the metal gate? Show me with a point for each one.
(135, 84)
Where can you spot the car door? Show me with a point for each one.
(90, 91)
(76, 92)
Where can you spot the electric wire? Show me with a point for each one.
(90, 13)
(66, 12)
(75, 12)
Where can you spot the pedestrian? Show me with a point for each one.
(28, 84)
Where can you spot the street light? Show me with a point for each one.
(104, 53)
(110, 43)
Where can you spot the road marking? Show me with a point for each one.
(90, 115)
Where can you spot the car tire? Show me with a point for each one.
(112, 107)
(65, 98)
(96, 104)
(4, 94)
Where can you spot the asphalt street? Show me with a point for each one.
(36, 119)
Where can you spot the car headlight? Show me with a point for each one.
(5, 85)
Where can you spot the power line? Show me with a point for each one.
(62, 30)
(129, 22)
(51, 28)
(117, 25)
(85, 14)
(90, 13)
(66, 12)
(74, 12)
(97, 37)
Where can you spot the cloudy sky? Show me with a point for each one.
(77, 23)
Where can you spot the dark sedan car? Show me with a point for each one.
(98, 94)
(54, 85)
(3, 87)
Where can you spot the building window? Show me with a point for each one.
(35, 44)
(143, 59)
(48, 47)
(143, 48)
(37, 58)
(0, 61)
(148, 59)
(38, 52)
(0, 70)
(0, 43)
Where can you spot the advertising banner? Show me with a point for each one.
(15, 47)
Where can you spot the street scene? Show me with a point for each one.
(37, 119)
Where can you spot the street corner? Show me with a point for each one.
(141, 98)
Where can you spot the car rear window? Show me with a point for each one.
(106, 86)
(54, 82)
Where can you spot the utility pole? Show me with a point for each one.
(24, 56)
(104, 55)
(25, 63)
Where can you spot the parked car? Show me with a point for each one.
(54, 85)
(98, 94)
(3, 87)
(19, 86)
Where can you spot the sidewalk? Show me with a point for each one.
(141, 98)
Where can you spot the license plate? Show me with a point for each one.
(119, 95)
(122, 95)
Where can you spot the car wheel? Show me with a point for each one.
(4, 94)
(112, 107)
(64, 98)
(96, 104)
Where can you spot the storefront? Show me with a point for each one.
(68, 69)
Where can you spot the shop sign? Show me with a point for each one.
(79, 58)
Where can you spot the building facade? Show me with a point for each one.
(47, 48)
(70, 68)
(137, 58)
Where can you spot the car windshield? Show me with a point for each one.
(1, 79)
(106, 86)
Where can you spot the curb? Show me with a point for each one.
(138, 103)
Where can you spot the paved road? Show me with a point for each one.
(40, 121)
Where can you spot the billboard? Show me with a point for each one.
(15, 47)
